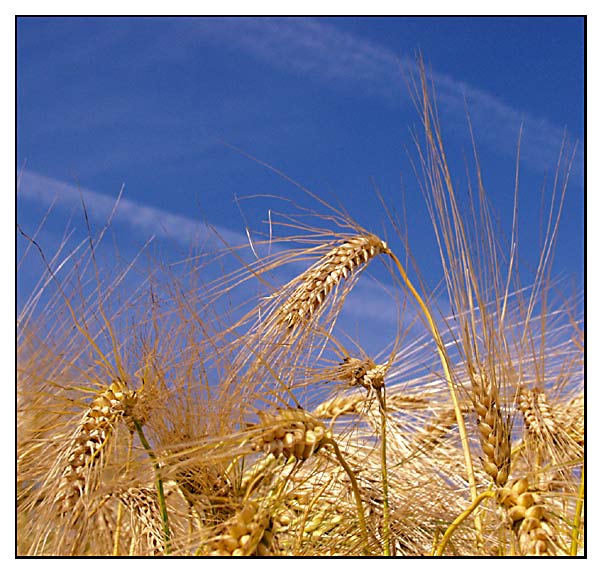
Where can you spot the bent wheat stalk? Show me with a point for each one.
(447, 371)
(438, 551)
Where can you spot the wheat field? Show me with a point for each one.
(230, 416)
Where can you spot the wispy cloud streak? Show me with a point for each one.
(145, 220)
(327, 54)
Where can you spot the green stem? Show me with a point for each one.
(356, 493)
(461, 518)
(577, 520)
(383, 465)
(159, 483)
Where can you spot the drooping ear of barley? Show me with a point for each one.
(570, 417)
(89, 441)
(339, 405)
(315, 284)
(434, 431)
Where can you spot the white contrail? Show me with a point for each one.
(142, 218)
(321, 52)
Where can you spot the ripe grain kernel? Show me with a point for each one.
(526, 499)
(530, 524)
(516, 513)
(520, 486)
(535, 512)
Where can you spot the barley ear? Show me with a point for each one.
(320, 279)
(494, 431)
(88, 443)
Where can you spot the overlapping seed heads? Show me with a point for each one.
(146, 516)
(352, 404)
(90, 438)
(293, 519)
(365, 373)
(292, 433)
(320, 279)
(248, 533)
(435, 430)
(338, 406)
(494, 430)
(570, 418)
(529, 519)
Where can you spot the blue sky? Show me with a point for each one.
(148, 103)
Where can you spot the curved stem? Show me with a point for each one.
(447, 371)
(159, 483)
(383, 466)
(356, 493)
(461, 518)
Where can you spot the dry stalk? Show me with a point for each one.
(372, 377)
(447, 369)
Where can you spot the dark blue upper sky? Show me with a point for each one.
(149, 102)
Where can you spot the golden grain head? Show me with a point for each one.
(88, 442)
(291, 433)
(315, 284)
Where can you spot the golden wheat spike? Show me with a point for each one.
(530, 519)
(248, 533)
(146, 515)
(292, 433)
(320, 279)
(365, 373)
(494, 431)
(90, 439)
